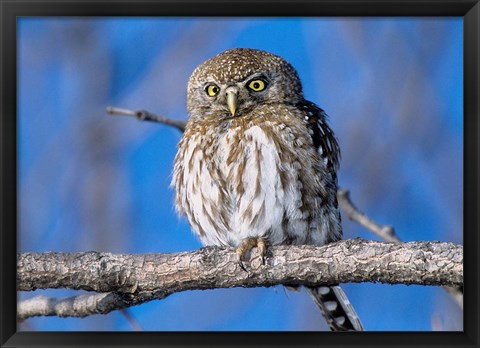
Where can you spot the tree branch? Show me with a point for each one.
(82, 306)
(385, 232)
(144, 115)
(134, 279)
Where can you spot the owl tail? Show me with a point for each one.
(336, 308)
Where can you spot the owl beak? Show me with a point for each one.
(232, 101)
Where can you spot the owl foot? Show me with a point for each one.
(247, 245)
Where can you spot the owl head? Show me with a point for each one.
(236, 81)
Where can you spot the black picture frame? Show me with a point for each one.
(10, 10)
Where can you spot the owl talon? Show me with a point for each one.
(262, 249)
(241, 264)
(247, 245)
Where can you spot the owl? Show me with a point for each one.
(257, 164)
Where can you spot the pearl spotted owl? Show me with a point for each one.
(257, 164)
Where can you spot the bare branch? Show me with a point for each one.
(131, 320)
(134, 279)
(77, 306)
(144, 115)
(386, 232)
(83, 305)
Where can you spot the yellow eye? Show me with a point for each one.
(257, 85)
(212, 90)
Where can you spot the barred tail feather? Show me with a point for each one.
(336, 308)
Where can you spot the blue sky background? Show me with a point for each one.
(393, 88)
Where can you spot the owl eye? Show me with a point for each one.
(257, 85)
(212, 90)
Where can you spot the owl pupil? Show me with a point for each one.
(256, 85)
(212, 90)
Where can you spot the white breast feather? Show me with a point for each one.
(253, 213)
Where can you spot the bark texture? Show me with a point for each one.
(355, 260)
(123, 280)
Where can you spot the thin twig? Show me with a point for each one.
(131, 319)
(144, 115)
(386, 232)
